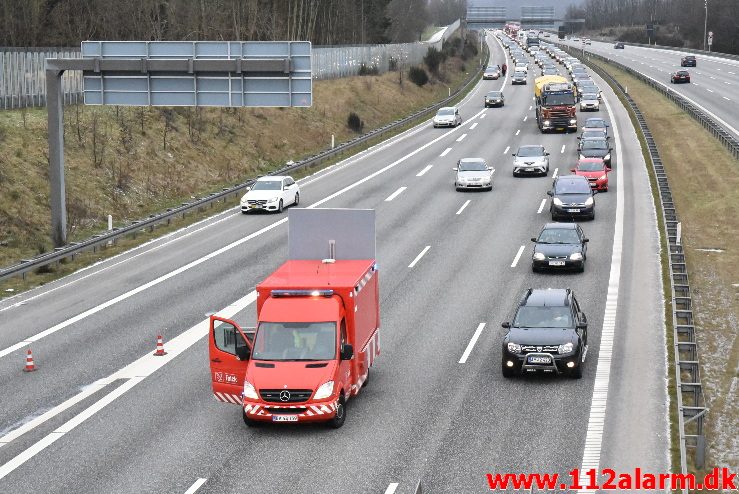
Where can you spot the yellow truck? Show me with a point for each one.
(555, 103)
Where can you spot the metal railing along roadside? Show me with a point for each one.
(729, 141)
(691, 403)
(102, 239)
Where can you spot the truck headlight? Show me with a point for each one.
(573, 121)
(566, 348)
(249, 391)
(607, 157)
(547, 122)
(324, 391)
(557, 201)
(539, 256)
(514, 347)
(575, 256)
(589, 201)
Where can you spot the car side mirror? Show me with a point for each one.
(572, 170)
(582, 325)
(546, 154)
(549, 193)
(347, 351)
(610, 149)
(533, 239)
(513, 154)
(243, 352)
(595, 191)
(586, 240)
(506, 325)
(579, 138)
(248, 189)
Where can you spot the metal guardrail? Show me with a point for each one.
(102, 239)
(708, 123)
(690, 397)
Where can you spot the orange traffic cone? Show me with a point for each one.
(30, 366)
(160, 347)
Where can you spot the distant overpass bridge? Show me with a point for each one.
(490, 17)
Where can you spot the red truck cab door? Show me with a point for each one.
(229, 349)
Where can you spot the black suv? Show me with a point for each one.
(688, 61)
(572, 197)
(549, 333)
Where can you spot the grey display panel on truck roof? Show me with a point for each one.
(311, 230)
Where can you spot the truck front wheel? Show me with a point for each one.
(340, 416)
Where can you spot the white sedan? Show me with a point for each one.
(271, 193)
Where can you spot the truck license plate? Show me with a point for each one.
(540, 360)
(284, 418)
(556, 263)
(573, 210)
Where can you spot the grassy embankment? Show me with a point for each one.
(704, 183)
(132, 162)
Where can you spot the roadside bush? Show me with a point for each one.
(469, 50)
(392, 64)
(452, 47)
(371, 70)
(418, 76)
(433, 59)
(354, 122)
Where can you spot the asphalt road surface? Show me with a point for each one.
(103, 415)
(714, 81)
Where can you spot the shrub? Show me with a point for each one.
(433, 59)
(418, 76)
(354, 122)
(392, 64)
(371, 70)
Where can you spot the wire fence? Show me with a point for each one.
(23, 77)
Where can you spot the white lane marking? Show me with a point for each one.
(461, 138)
(541, 206)
(482, 116)
(518, 131)
(727, 82)
(596, 421)
(472, 342)
(727, 99)
(391, 488)
(530, 108)
(463, 206)
(712, 77)
(423, 172)
(445, 152)
(709, 90)
(419, 256)
(518, 256)
(731, 73)
(563, 148)
(525, 118)
(696, 84)
(554, 175)
(194, 487)
(472, 127)
(135, 372)
(395, 194)
(218, 252)
(506, 150)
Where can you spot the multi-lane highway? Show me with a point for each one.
(103, 415)
(714, 83)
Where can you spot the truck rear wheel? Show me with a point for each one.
(340, 416)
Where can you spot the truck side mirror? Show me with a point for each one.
(347, 352)
(243, 353)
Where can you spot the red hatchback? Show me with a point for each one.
(680, 76)
(595, 170)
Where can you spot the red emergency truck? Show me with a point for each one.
(317, 330)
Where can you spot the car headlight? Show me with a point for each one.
(603, 177)
(324, 390)
(514, 347)
(566, 348)
(243, 200)
(575, 256)
(249, 391)
(273, 199)
(539, 256)
(589, 201)
(607, 157)
(556, 201)
(573, 121)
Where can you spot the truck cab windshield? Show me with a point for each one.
(291, 341)
(559, 99)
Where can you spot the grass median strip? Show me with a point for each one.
(704, 183)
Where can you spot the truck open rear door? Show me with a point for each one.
(229, 351)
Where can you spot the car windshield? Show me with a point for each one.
(590, 166)
(472, 166)
(559, 99)
(529, 151)
(267, 185)
(594, 144)
(295, 341)
(572, 187)
(543, 317)
(558, 236)
(595, 123)
(491, 69)
(589, 96)
(445, 111)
